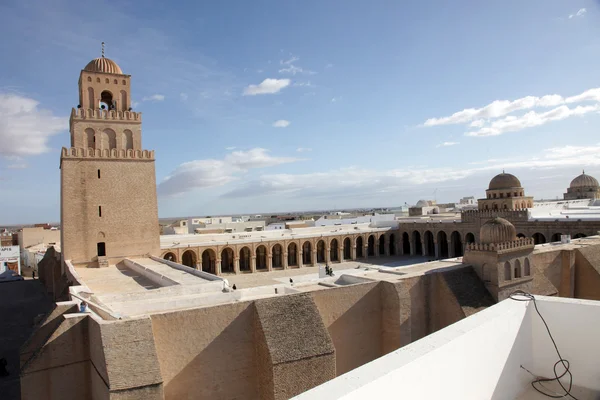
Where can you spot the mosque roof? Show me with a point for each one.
(504, 181)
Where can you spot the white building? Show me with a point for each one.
(10, 259)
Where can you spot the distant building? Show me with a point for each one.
(468, 201)
(583, 187)
(10, 259)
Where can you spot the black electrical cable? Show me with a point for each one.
(565, 363)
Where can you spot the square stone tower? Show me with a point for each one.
(108, 187)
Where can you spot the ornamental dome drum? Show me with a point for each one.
(497, 230)
(105, 65)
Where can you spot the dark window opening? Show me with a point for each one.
(98, 174)
(101, 249)
(99, 211)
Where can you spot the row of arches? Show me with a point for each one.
(518, 206)
(107, 100)
(540, 238)
(107, 139)
(440, 245)
(516, 269)
(116, 82)
(275, 257)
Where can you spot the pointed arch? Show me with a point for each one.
(245, 259)
(189, 258)
(334, 250)
(277, 256)
(360, 247)
(321, 251)
(347, 248)
(261, 257)
(292, 255)
(227, 260)
(209, 259)
(306, 253)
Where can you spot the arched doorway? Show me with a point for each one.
(470, 238)
(521, 236)
(392, 246)
(579, 236)
(382, 245)
(527, 267)
(227, 260)
(347, 249)
(539, 238)
(208, 261)
(371, 246)
(277, 256)
(417, 243)
(320, 251)
(360, 247)
(556, 237)
(306, 253)
(442, 240)
(189, 258)
(457, 246)
(245, 259)
(429, 244)
(170, 257)
(334, 250)
(507, 271)
(261, 257)
(292, 255)
(405, 244)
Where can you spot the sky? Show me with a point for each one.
(273, 106)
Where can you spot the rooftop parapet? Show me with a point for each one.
(79, 152)
(519, 244)
(511, 215)
(113, 115)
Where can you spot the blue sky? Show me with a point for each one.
(295, 105)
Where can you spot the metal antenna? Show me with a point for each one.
(102, 49)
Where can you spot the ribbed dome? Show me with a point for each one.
(504, 181)
(422, 203)
(584, 181)
(497, 230)
(103, 64)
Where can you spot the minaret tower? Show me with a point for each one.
(108, 185)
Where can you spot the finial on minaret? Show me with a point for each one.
(502, 168)
(583, 171)
(102, 49)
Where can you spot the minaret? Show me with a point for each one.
(108, 185)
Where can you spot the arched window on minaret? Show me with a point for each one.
(106, 100)
(128, 139)
(91, 99)
(123, 100)
(89, 138)
(112, 139)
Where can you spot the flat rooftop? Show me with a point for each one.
(494, 354)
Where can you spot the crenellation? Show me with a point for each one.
(79, 152)
(114, 115)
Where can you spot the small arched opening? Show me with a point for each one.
(442, 240)
(128, 139)
(381, 245)
(429, 244)
(521, 235)
(90, 138)
(527, 267)
(371, 246)
(456, 242)
(347, 249)
(170, 257)
(189, 258)
(470, 237)
(292, 255)
(517, 273)
(579, 236)
(417, 243)
(320, 251)
(556, 237)
(277, 256)
(227, 260)
(261, 257)
(306, 253)
(539, 238)
(333, 250)
(209, 259)
(111, 136)
(405, 243)
(360, 247)
(392, 244)
(507, 271)
(245, 259)
(106, 100)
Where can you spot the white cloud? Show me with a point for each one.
(531, 119)
(291, 60)
(17, 166)
(303, 149)
(359, 182)
(303, 84)
(495, 119)
(24, 128)
(282, 123)
(154, 97)
(290, 68)
(210, 173)
(579, 13)
(336, 99)
(446, 144)
(268, 86)
(230, 148)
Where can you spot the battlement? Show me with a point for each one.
(519, 244)
(78, 152)
(112, 115)
(510, 215)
